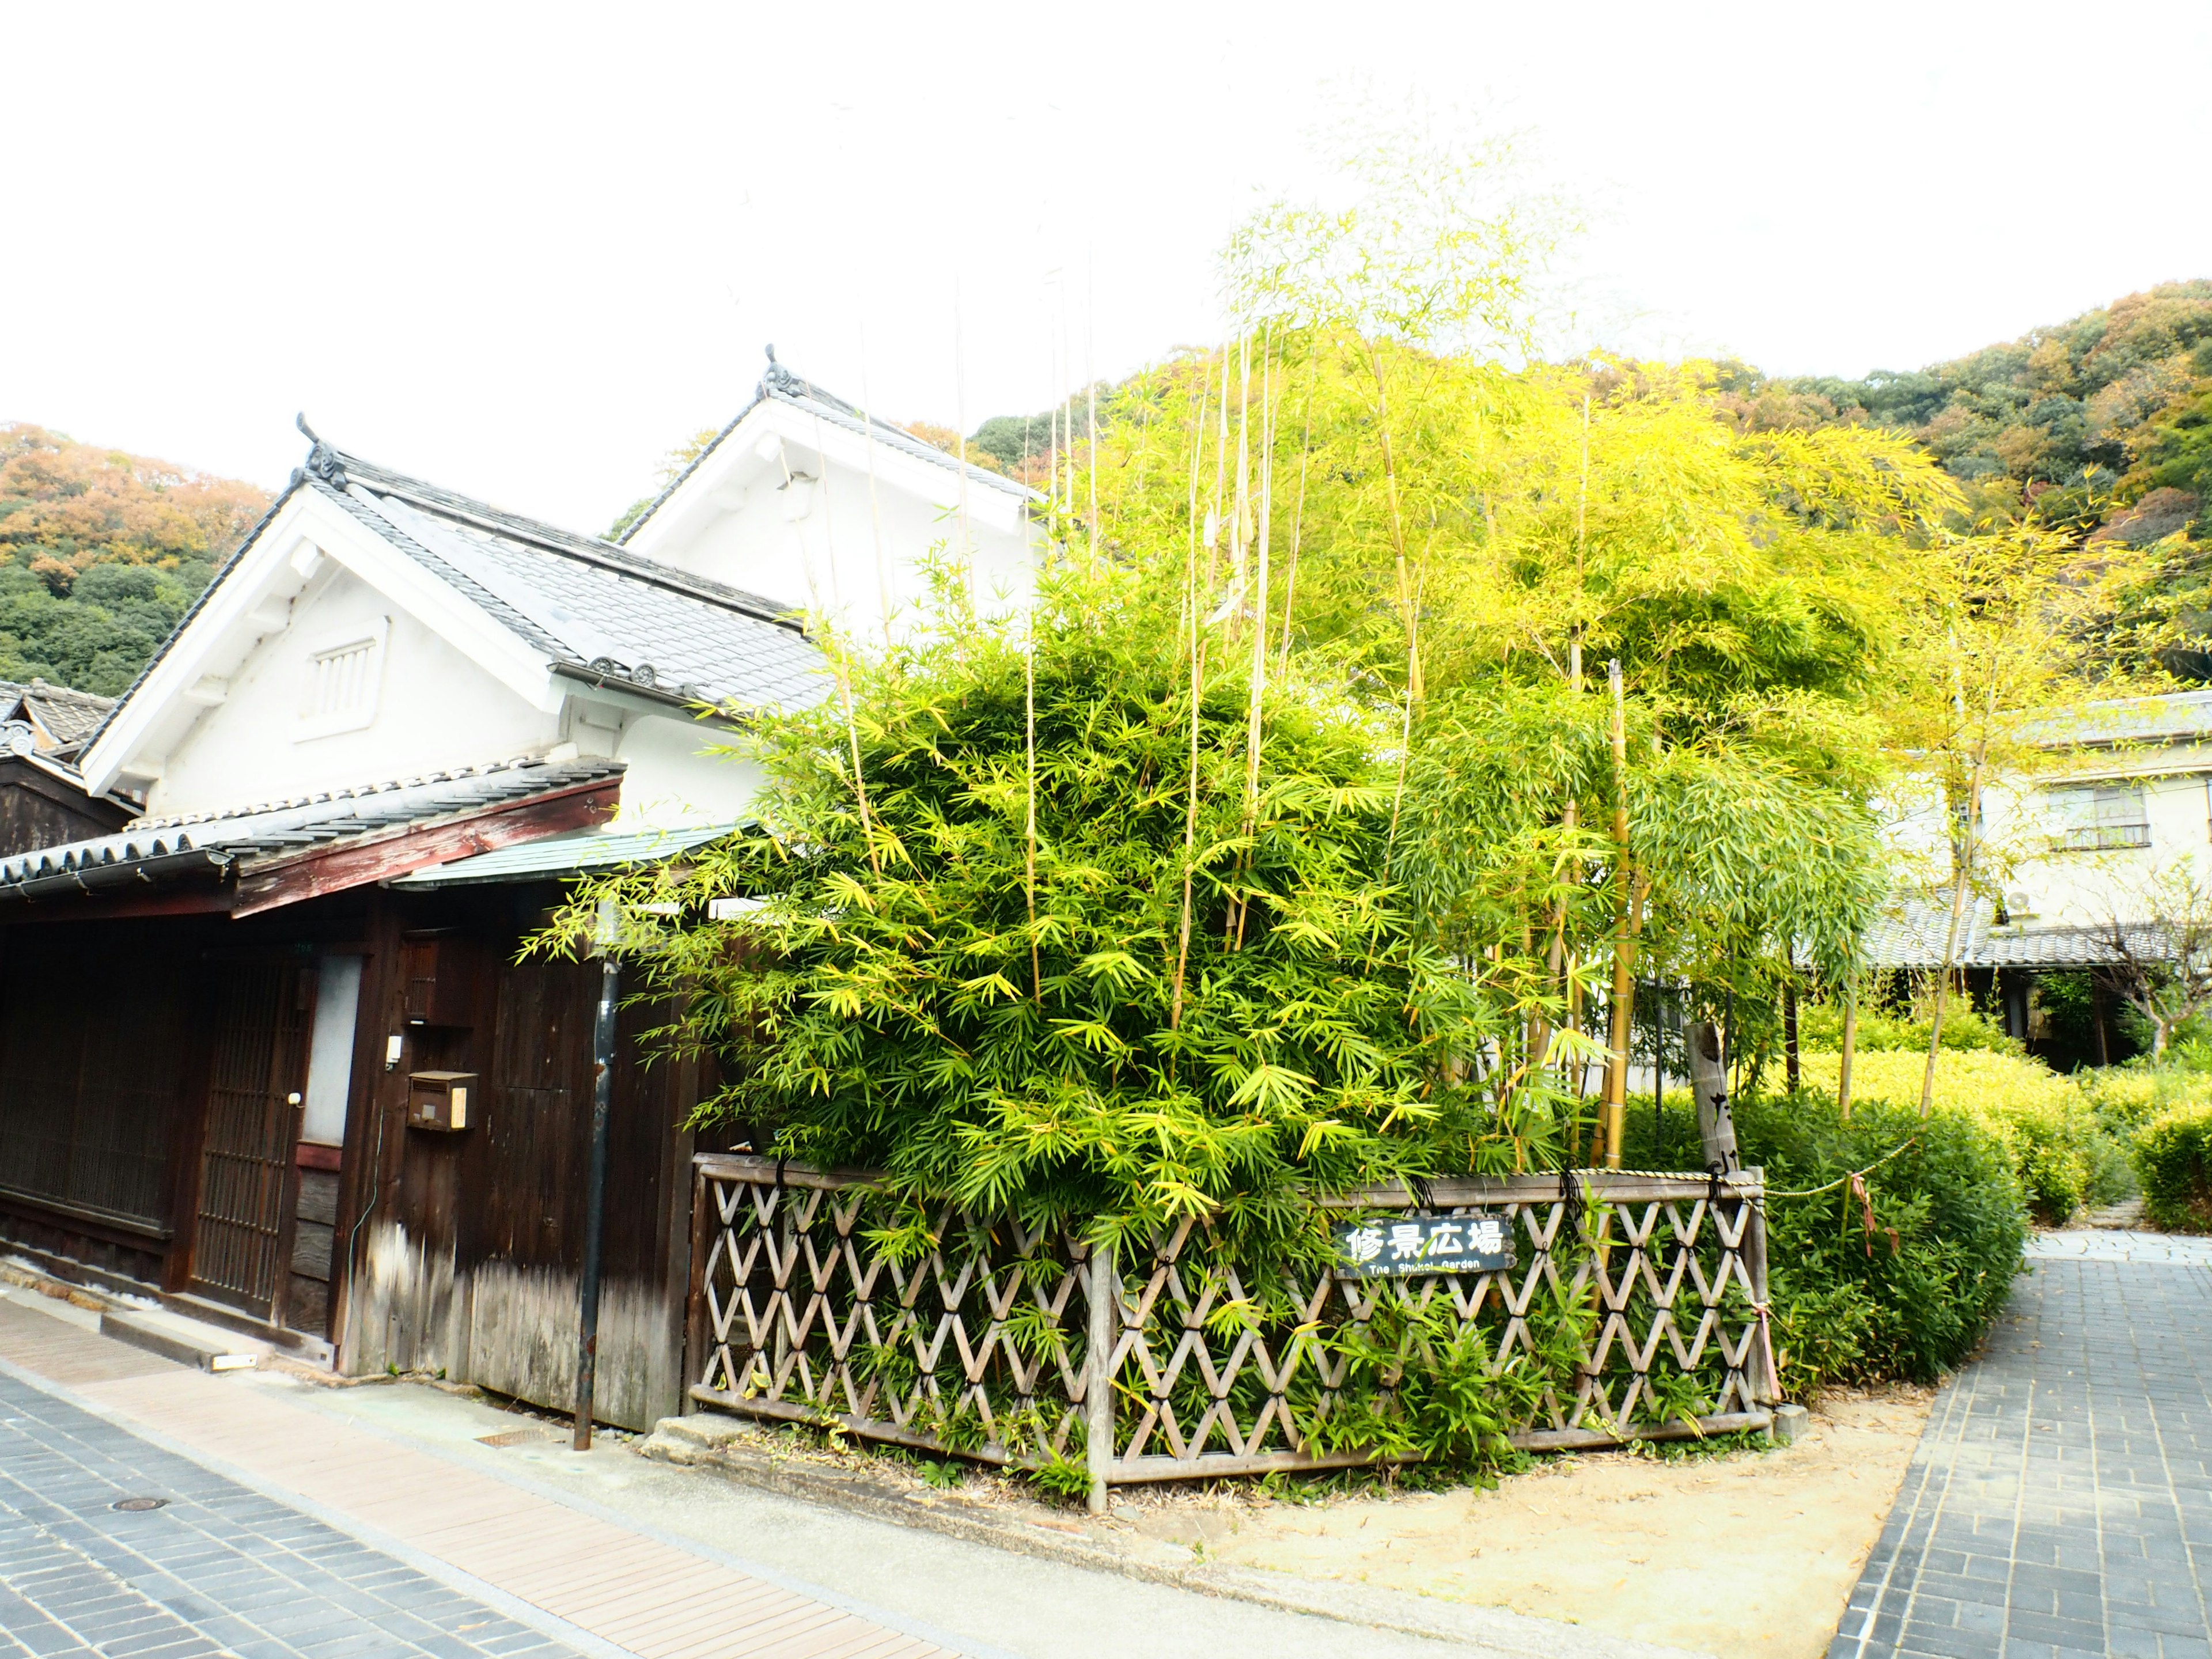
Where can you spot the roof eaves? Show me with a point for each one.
(838, 412)
(613, 679)
(760, 393)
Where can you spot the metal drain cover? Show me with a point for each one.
(134, 1504)
(534, 1436)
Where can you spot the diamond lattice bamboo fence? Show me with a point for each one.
(1012, 1345)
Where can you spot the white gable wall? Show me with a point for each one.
(427, 708)
(669, 781)
(785, 507)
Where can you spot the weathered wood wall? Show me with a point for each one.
(456, 1252)
(39, 810)
(97, 1029)
(468, 1258)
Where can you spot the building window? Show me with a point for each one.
(339, 683)
(2097, 818)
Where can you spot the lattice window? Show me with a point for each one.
(339, 684)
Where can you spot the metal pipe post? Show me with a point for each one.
(595, 1186)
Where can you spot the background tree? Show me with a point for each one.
(2157, 938)
(102, 553)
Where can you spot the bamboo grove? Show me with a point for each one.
(1387, 707)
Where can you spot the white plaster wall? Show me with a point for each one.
(435, 709)
(670, 781)
(2087, 888)
(827, 560)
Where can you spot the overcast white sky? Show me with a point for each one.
(523, 251)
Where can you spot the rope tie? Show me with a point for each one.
(1571, 1201)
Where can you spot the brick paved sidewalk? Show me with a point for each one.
(602, 1587)
(217, 1569)
(2059, 1504)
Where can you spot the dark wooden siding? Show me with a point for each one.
(39, 810)
(468, 1261)
(94, 1034)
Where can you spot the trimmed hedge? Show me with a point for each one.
(2174, 1160)
(1910, 1300)
(2043, 1120)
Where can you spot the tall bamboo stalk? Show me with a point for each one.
(844, 659)
(1191, 608)
(1624, 935)
(1090, 385)
(875, 506)
(1298, 521)
(1850, 1047)
(1560, 963)
(960, 415)
(1405, 599)
(1189, 823)
(1240, 519)
(1962, 878)
(1029, 731)
(1260, 613)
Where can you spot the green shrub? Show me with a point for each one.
(1851, 1308)
(1821, 1025)
(2042, 1119)
(2174, 1160)
(2125, 1098)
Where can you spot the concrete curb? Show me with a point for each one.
(173, 1339)
(708, 1442)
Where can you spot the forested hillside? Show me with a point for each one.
(101, 552)
(2102, 423)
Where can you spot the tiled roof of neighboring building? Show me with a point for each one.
(779, 384)
(271, 828)
(2129, 720)
(1912, 934)
(66, 715)
(651, 628)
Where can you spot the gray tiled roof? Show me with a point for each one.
(2129, 720)
(1913, 934)
(271, 828)
(592, 605)
(781, 385)
(722, 642)
(69, 715)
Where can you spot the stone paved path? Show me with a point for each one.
(2059, 1504)
(597, 1587)
(218, 1569)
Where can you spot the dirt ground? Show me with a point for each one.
(1751, 1554)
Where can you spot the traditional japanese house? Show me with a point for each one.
(271, 1050)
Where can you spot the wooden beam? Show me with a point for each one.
(117, 904)
(360, 861)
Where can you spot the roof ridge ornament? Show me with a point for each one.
(782, 379)
(323, 461)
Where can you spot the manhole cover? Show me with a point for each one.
(522, 1436)
(134, 1504)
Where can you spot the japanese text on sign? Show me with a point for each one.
(1426, 1244)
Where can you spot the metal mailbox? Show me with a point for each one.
(439, 1100)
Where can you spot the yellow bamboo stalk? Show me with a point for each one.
(843, 659)
(1624, 936)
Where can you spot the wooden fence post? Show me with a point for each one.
(1709, 1082)
(1098, 1370)
(1768, 1389)
(695, 1294)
